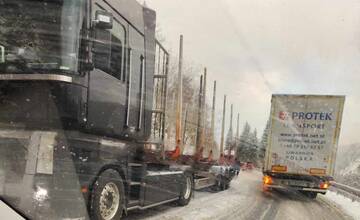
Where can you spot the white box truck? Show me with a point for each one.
(302, 142)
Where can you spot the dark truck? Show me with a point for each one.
(82, 109)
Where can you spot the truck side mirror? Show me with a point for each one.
(2, 54)
(103, 20)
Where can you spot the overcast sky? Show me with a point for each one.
(258, 47)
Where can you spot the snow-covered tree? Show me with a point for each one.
(245, 135)
(243, 145)
(248, 145)
(253, 139)
(264, 140)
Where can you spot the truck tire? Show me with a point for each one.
(217, 186)
(220, 184)
(227, 184)
(224, 184)
(187, 191)
(107, 197)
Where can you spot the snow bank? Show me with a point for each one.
(350, 207)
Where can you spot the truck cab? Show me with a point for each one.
(82, 90)
(102, 72)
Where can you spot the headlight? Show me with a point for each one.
(41, 194)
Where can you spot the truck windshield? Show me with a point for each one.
(37, 36)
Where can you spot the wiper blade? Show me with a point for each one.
(24, 61)
(15, 65)
(43, 66)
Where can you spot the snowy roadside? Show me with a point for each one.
(345, 204)
(246, 200)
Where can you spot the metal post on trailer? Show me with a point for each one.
(178, 141)
(199, 124)
(230, 131)
(222, 128)
(237, 132)
(237, 126)
(185, 123)
(203, 130)
(213, 119)
(164, 100)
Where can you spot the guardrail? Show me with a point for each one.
(346, 190)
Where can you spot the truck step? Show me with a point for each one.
(133, 202)
(134, 183)
(203, 183)
(135, 164)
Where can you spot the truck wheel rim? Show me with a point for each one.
(188, 188)
(109, 201)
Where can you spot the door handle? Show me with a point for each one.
(2, 54)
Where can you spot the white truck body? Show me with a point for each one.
(304, 134)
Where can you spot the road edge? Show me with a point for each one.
(334, 206)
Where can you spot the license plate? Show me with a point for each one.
(298, 183)
(295, 183)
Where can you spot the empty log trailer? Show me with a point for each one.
(207, 172)
(82, 96)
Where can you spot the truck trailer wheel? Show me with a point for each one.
(107, 198)
(220, 184)
(187, 191)
(226, 184)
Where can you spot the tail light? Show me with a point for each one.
(324, 185)
(267, 180)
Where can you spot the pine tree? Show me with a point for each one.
(242, 148)
(245, 135)
(252, 150)
(253, 139)
(264, 140)
(248, 145)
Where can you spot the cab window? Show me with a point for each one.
(109, 49)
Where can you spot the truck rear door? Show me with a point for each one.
(304, 134)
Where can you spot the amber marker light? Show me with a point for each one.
(267, 180)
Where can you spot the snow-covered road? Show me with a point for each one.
(245, 200)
